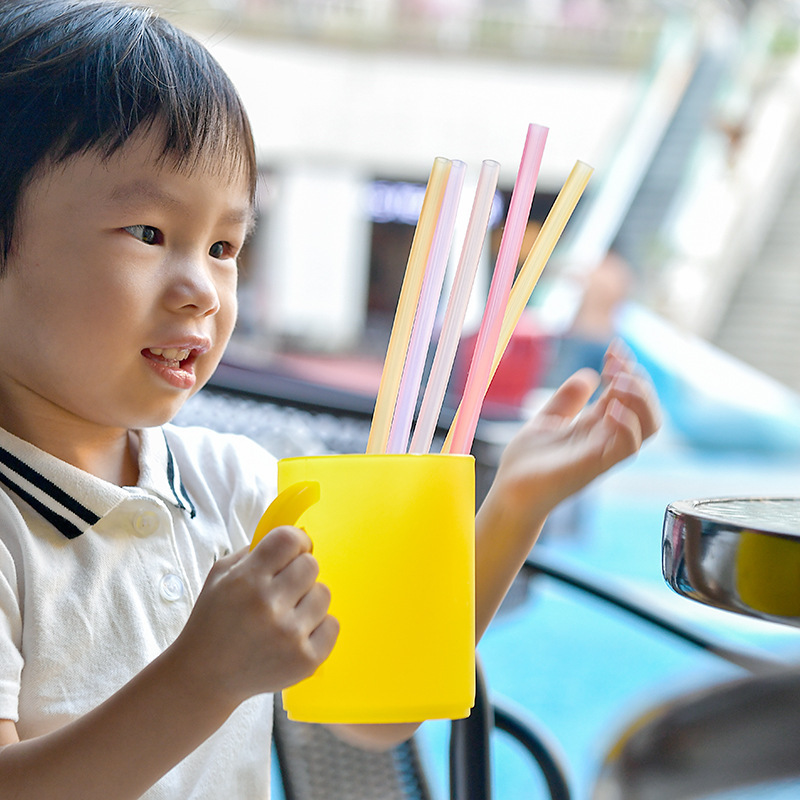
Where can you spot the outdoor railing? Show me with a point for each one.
(618, 33)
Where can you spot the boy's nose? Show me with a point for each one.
(193, 288)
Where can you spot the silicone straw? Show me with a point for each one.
(456, 308)
(466, 420)
(406, 305)
(537, 258)
(426, 312)
(540, 252)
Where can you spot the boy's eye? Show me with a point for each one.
(145, 233)
(217, 250)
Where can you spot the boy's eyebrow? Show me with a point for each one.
(135, 191)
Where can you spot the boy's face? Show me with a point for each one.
(120, 294)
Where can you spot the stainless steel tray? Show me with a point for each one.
(741, 554)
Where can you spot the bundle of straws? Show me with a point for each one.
(410, 339)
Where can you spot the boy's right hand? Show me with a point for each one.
(261, 622)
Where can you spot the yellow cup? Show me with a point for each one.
(394, 538)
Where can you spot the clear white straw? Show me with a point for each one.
(456, 308)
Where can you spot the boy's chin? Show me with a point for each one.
(154, 412)
(157, 417)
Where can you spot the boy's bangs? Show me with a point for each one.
(164, 80)
(172, 83)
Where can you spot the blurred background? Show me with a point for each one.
(688, 111)
(685, 244)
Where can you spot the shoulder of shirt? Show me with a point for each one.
(198, 444)
(224, 465)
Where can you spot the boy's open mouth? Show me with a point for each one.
(172, 357)
(176, 365)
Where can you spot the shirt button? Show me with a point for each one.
(171, 587)
(146, 523)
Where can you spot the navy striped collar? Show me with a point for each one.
(72, 500)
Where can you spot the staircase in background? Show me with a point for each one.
(762, 323)
(639, 238)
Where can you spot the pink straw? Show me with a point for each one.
(456, 309)
(426, 312)
(463, 429)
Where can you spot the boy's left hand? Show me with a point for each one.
(569, 443)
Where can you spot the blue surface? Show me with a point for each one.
(712, 399)
(584, 670)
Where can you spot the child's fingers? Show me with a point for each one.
(568, 400)
(627, 435)
(618, 357)
(280, 547)
(635, 392)
(314, 604)
(619, 360)
(298, 594)
(318, 628)
(628, 383)
(323, 637)
(296, 579)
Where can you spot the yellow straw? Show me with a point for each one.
(406, 307)
(540, 252)
(534, 264)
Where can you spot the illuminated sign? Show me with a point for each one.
(398, 201)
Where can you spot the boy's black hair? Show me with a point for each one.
(78, 75)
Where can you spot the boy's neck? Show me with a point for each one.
(110, 454)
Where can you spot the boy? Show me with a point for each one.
(139, 638)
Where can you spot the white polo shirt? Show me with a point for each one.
(97, 580)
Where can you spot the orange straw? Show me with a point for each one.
(406, 307)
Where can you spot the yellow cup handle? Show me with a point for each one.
(287, 508)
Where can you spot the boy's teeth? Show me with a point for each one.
(170, 354)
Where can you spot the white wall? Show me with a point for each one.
(391, 113)
(318, 235)
(327, 120)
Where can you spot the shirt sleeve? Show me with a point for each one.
(255, 488)
(10, 637)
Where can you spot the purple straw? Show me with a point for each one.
(426, 313)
